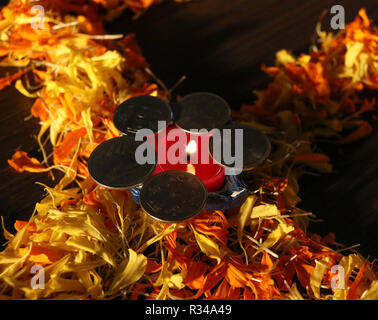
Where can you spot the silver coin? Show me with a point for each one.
(141, 112)
(201, 110)
(173, 196)
(256, 146)
(112, 164)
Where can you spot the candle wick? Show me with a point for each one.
(190, 148)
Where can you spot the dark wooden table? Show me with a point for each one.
(220, 45)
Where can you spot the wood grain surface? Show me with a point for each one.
(219, 45)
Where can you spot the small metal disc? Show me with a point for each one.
(141, 112)
(256, 146)
(173, 196)
(112, 164)
(202, 110)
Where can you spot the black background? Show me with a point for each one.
(219, 45)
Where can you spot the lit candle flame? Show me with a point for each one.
(191, 147)
(191, 169)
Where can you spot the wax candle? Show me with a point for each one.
(195, 157)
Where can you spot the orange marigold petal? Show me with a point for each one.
(21, 162)
(7, 81)
(362, 131)
(152, 266)
(19, 224)
(64, 149)
(41, 255)
(39, 111)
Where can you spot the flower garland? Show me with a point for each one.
(95, 243)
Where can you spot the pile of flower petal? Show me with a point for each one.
(77, 80)
(320, 96)
(95, 243)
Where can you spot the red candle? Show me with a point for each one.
(180, 150)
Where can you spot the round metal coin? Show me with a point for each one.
(141, 112)
(113, 165)
(173, 196)
(248, 142)
(202, 110)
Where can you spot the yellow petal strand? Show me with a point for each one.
(245, 214)
(94, 247)
(158, 237)
(317, 276)
(7, 235)
(265, 210)
(281, 230)
(20, 87)
(353, 50)
(129, 271)
(294, 293)
(372, 293)
(208, 246)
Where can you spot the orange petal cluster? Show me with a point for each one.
(99, 244)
